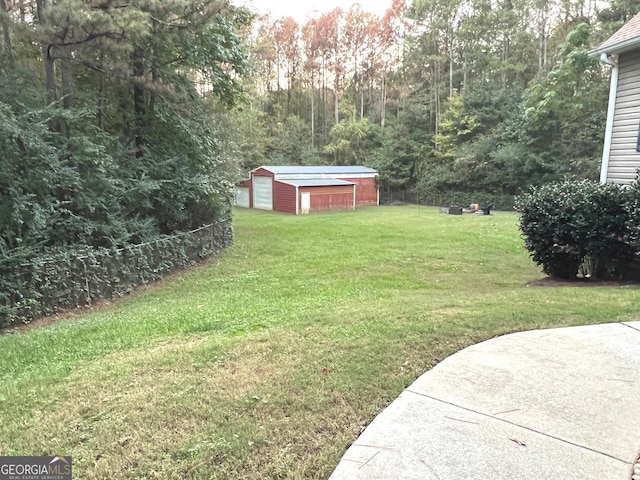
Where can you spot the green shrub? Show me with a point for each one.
(633, 208)
(574, 227)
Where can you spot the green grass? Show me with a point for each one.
(267, 361)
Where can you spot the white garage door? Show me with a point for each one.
(263, 193)
(242, 197)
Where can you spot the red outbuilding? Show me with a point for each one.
(306, 189)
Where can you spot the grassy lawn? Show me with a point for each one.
(267, 361)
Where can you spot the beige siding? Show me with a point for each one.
(624, 161)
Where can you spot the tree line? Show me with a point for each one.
(481, 98)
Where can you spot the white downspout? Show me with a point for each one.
(613, 91)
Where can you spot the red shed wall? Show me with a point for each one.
(366, 190)
(338, 197)
(262, 172)
(284, 197)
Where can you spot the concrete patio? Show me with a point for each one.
(546, 404)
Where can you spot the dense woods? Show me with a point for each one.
(106, 107)
(121, 121)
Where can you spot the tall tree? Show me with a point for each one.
(5, 22)
(118, 145)
(287, 41)
(312, 67)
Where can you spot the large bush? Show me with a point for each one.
(579, 228)
(633, 208)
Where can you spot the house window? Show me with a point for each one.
(638, 141)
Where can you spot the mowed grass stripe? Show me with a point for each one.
(268, 360)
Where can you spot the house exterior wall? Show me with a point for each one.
(339, 197)
(624, 160)
(284, 197)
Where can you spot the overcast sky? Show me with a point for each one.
(302, 9)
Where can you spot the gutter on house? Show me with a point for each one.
(613, 90)
(616, 48)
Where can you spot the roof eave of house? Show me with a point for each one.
(616, 48)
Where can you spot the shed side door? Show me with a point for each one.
(262, 192)
(305, 202)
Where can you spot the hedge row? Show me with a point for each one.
(33, 286)
(582, 229)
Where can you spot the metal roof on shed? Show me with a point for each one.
(316, 182)
(319, 170)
